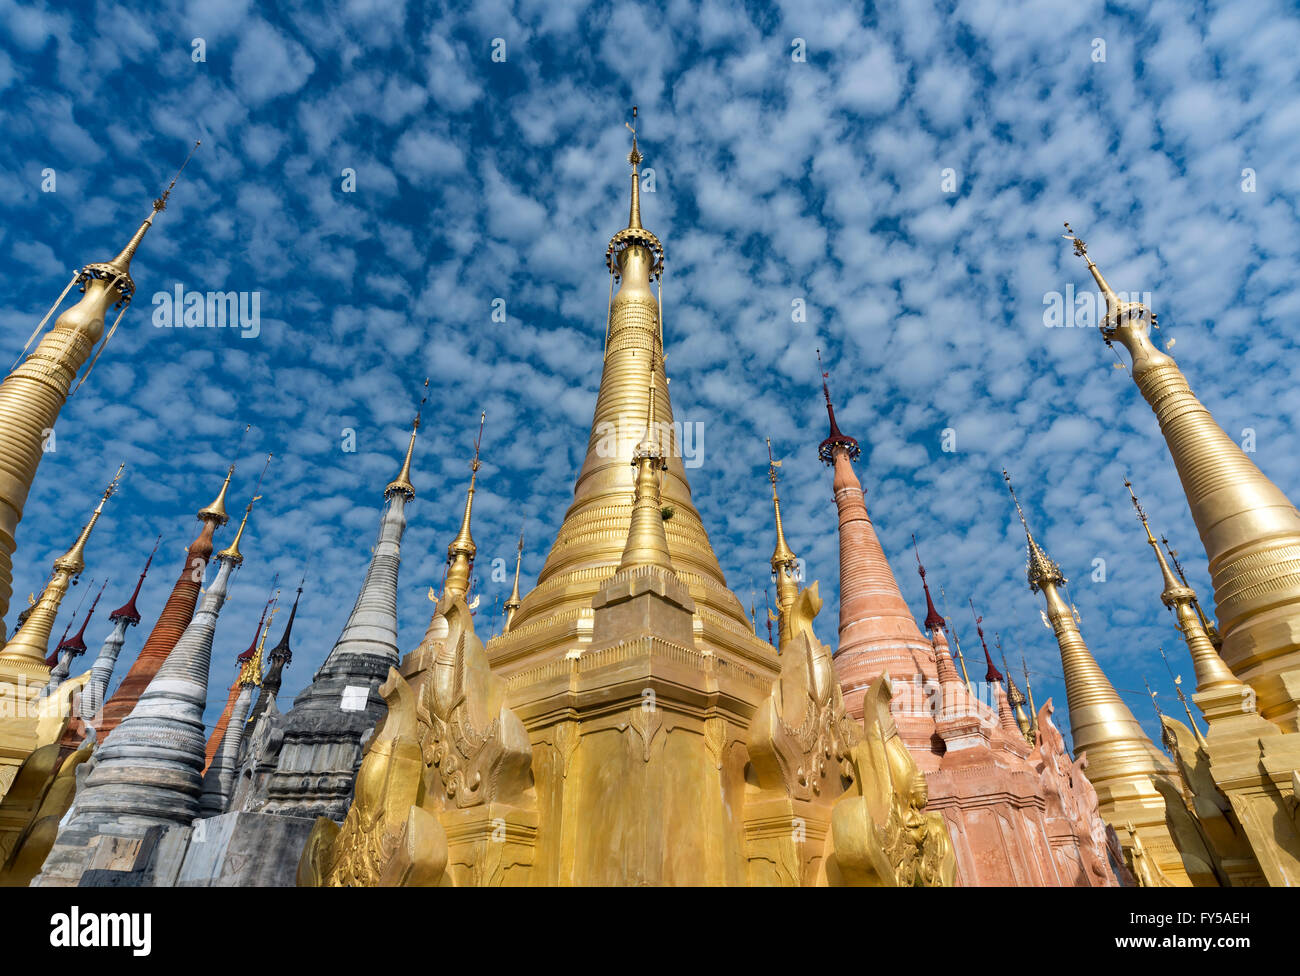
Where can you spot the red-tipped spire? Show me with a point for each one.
(53, 657)
(933, 621)
(77, 643)
(127, 611)
(247, 655)
(836, 439)
(992, 675)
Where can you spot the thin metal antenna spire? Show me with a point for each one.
(161, 202)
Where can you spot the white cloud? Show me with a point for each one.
(268, 64)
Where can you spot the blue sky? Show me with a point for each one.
(776, 179)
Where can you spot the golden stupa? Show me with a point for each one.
(629, 727)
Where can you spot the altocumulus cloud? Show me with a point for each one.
(903, 183)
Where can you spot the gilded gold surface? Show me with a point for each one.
(590, 542)
(444, 795)
(1134, 781)
(1250, 529)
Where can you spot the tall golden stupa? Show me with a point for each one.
(1250, 529)
(557, 616)
(629, 727)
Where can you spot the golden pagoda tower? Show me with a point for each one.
(1240, 772)
(629, 728)
(1029, 693)
(785, 564)
(22, 660)
(1015, 697)
(1250, 529)
(462, 550)
(512, 604)
(32, 395)
(1135, 783)
(631, 664)
(589, 545)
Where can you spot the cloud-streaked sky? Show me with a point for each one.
(906, 181)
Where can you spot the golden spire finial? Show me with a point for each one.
(461, 551)
(784, 562)
(31, 642)
(231, 553)
(1178, 689)
(514, 602)
(634, 234)
(216, 511)
(1173, 592)
(1029, 694)
(1041, 569)
(251, 672)
(635, 158)
(1081, 249)
(74, 560)
(121, 265)
(1208, 625)
(402, 483)
(1211, 672)
(647, 541)
(783, 554)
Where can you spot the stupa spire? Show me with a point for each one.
(956, 641)
(991, 674)
(323, 730)
(33, 393)
(826, 450)
(1015, 698)
(512, 604)
(1177, 679)
(281, 655)
(647, 540)
(128, 610)
(92, 695)
(227, 713)
(402, 482)
(937, 627)
(878, 633)
(1102, 724)
(1029, 693)
(176, 615)
(1211, 672)
(150, 769)
(634, 158)
(785, 565)
(219, 776)
(121, 265)
(933, 619)
(70, 647)
(215, 511)
(1207, 624)
(1249, 527)
(232, 553)
(26, 652)
(461, 550)
(589, 545)
(75, 645)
